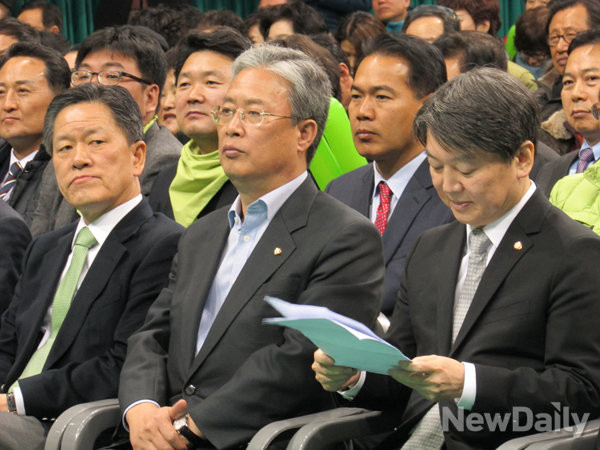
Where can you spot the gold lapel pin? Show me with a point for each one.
(518, 245)
(277, 251)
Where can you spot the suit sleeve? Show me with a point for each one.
(346, 277)
(56, 389)
(571, 367)
(14, 239)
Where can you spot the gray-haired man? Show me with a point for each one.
(203, 354)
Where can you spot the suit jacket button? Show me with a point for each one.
(190, 389)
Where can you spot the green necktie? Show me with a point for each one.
(62, 301)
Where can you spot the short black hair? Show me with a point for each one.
(55, 40)
(483, 111)
(221, 18)
(304, 19)
(57, 71)
(592, 6)
(474, 49)
(327, 41)
(51, 13)
(123, 107)
(427, 70)
(130, 42)
(18, 30)
(590, 37)
(224, 40)
(168, 22)
(446, 15)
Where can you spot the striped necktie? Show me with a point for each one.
(13, 172)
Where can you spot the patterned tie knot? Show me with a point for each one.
(15, 169)
(85, 238)
(384, 193)
(586, 157)
(478, 241)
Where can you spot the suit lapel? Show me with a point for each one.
(51, 267)
(514, 245)
(451, 254)
(97, 277)
(214, 238)
(262, 263)
(409, 204)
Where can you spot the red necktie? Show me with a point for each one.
(383, 210)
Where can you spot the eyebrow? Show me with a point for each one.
(19, 82)
(374, 89)
(203, 73)
(85, 134)
(584, 71)
(248, 101)
(104, 66)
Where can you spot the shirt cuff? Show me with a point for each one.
(19, 402)
(467, 399)
(131, 406)
(349, 394)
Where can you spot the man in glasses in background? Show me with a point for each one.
(204, 369)
(133, 59)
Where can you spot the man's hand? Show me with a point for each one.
(3, 404)
(434, 377)
(332, 377)
(151, 427)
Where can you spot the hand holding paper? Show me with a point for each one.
(349, 342)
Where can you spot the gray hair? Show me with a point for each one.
(309, 93)
(124, 109)
(483, 110)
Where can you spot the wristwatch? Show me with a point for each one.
(181, 426)
(10, 403)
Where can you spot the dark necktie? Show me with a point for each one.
(13, 172)
(383, 210)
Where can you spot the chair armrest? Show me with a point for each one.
(56, 432)
(320, 433)
(559, 439)
(269, 433)
(82, 424)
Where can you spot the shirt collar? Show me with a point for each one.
(400, 179)
(103, 225)
(595, 149)
(274, 200)
(496, 230)
(394, 27)
(24, 161)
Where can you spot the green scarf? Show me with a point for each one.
(149, 124)
(198, 179)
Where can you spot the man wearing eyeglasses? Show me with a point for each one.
(567, 19)
(203, 369)
(132, 59)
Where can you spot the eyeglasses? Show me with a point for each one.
(567, 37)
(105, 77)
(223, 115)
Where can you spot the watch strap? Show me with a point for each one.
(193, 438)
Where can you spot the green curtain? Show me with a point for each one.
(78, 15)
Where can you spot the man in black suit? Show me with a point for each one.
(14, 238)
(396, 76)
(30, 77)
(499, 309)
(63, 337)
(203, 358)
(579, 94)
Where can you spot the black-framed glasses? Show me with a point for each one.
(567, 37)
(224, 114)
(106, 77)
